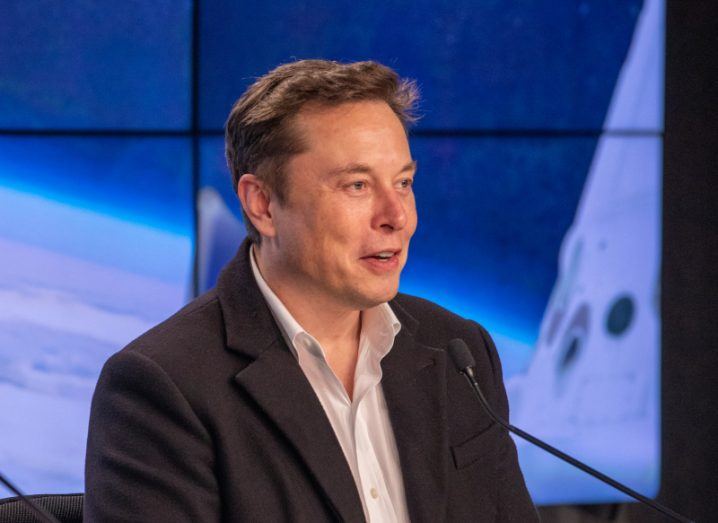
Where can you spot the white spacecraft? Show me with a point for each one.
(592, 387)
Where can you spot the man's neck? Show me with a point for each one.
(334, 327)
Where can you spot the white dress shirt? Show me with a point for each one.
(362, 426)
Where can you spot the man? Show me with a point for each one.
(303, 388)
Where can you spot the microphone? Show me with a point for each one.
(464, 363)
(36, 509)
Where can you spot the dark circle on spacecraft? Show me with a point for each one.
(620, 315)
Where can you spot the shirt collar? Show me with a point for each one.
(379, 323)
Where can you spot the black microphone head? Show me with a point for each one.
(460, 355)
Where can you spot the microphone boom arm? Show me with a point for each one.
(469, 375)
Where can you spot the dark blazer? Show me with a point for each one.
(208, 417)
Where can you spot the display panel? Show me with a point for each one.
(95, 65)
(539, 205)
(480, 65)
(96, 242)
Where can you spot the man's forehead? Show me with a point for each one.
(352, 138)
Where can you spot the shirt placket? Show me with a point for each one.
(374, 490)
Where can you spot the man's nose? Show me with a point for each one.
(391, 212)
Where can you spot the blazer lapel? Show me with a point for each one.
(414, 385)
(277, 384)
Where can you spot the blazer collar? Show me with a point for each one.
(249, 326)
(413, 383)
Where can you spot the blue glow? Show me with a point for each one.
(141, 180)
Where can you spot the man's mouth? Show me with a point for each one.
(383, 262)
(383, 256)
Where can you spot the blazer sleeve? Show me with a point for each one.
(514, 504)
(149, 458)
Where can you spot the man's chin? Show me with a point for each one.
(372, 299)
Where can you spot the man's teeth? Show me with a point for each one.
(385, 255)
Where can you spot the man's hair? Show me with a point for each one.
(259, 134)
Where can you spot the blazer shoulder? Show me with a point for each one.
(190, 333)
(433, 320)
(436, 326)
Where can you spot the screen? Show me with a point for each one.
(538, 190)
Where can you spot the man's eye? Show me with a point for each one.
(406, 182)
(358, 186)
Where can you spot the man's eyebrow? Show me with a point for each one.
(409, 167)
(362, 168)
(350, 168)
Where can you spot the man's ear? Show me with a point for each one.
(255, 198)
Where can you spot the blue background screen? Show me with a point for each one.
(538, 191)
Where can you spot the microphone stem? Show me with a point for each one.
(469, 374)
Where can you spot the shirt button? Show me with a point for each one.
(374, 493)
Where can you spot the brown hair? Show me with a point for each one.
(259, 137)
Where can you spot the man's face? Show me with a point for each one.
(343, 232)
